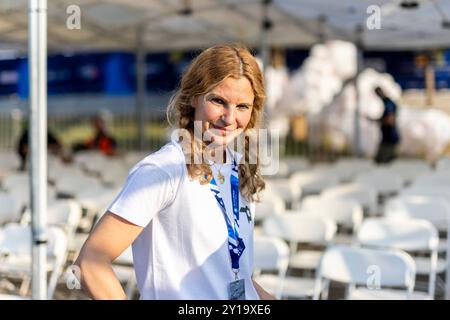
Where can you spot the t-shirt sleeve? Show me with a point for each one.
(147, 191)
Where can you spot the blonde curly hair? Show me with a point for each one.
(205, 72)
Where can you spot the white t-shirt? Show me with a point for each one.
(182, 252)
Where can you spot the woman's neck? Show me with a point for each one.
(215, 155)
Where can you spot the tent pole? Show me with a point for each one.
(140, 86)
(38, 141)
(264, 42)
(359, 66)
(264, 45)
(430, 85)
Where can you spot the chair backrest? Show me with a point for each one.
(357, 266)
(76, 183)
(298, 228)
(284, 189)
(433, 179)
(434, 209)
(9, 161)
(314, 181)
(364, 195)
(271, 254)
(18, 179)
(381, 180)
(357, 164)
(15, 241)
(419, 190)
(406, 234)
(344, 212)
(64, 213)
(443, 164)
(270, 204)
(410, 169)
(9, 210)
(413, 235)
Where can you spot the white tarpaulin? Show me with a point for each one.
(183, 24)
(320, 90)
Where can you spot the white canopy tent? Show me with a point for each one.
(182, 24)
(187, 24)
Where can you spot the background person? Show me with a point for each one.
(101, 141)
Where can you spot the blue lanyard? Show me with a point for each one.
(236, 245)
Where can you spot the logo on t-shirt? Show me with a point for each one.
(247, 212)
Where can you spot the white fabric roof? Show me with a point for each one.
(113, 24)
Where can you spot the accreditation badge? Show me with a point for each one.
(237, 290)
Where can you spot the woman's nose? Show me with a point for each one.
(228, 115)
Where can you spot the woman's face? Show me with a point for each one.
(225, 111)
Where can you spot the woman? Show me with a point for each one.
(188, 208)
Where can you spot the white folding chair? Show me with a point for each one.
(295, 164)
(435, 210)
(300, 229)
(433, 190)
(348, 168)
(374, 269)
(437, 179)
(15, 249)
(270, 204)
(313, 181)
(411, 235)
(346, 213)
(9, 162)
(410, 169)
(9, 210)
(76, 183)
(364, 195)
(385, 182)
(270, 254)
(63, 213)
(113, 172)
(443, 164)
(16, 179)
(284, 189)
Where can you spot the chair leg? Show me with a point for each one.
(25, 286)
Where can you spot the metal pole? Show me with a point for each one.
(266, 25)
(140, 86)
(430, 85)
(359, 66)
(38, 143)
(264, 45)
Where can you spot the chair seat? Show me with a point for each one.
(305, 259)
(19, 265)
(423, 265)
(385, 294)
(293, 287)
(343, 239)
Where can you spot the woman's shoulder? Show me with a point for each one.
(169, 158)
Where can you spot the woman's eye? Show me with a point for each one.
(217, 100)
(243, 106)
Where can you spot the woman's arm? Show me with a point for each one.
(110, 237)
(263, 294)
